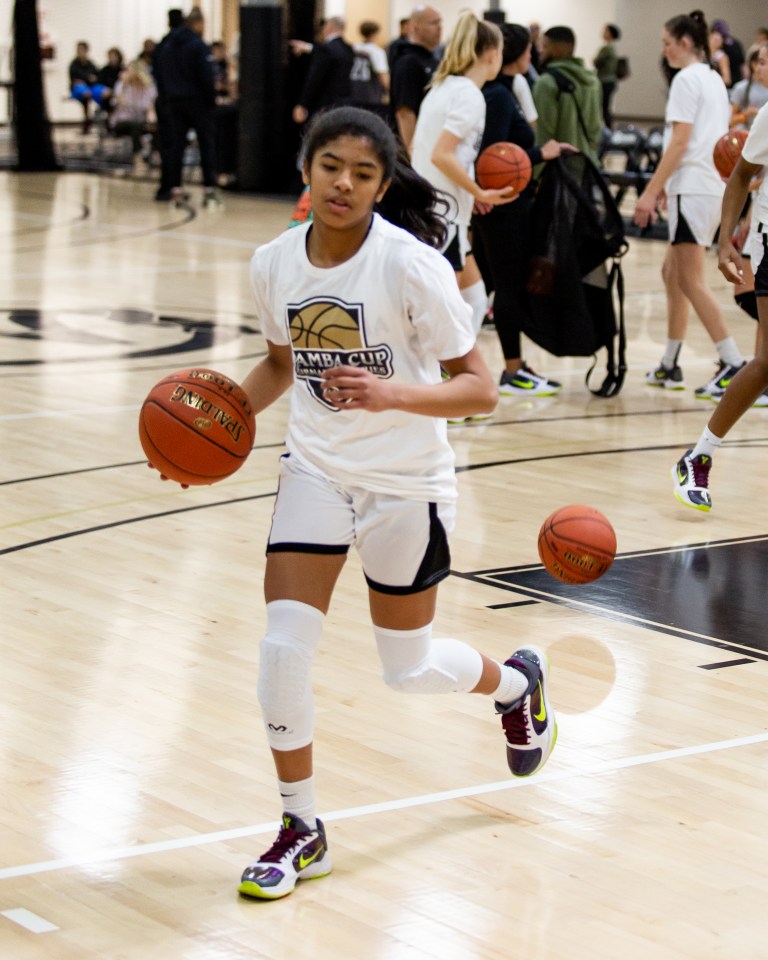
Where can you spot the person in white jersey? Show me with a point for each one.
(360, 316)
(696, 116)
(691, 473)
(447, 139)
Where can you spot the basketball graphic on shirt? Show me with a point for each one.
(325, 326)
(329, 333)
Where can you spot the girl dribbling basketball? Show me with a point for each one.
(360, 316)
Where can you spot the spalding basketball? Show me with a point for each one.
(503, 165)
(197, 426)
(577, 544)
(728, 150)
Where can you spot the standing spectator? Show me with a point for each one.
(446, 141)
(413, 70)
(370, 70)
(567, 95)
(536, 58)
(164, 131)
(184, 75)
(733, 50)
(605, 63)
(400, 43)
(220, 69)
(501, 237)
(328, 81)
(748, 96)
(696, 115)
(84, 84)
(719, 58)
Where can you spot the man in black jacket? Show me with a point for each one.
(328, 82)
(184, 76)
(413, 70)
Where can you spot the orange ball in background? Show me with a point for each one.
(197, 426)
(503, 165)
(577, 544)
(727, 151)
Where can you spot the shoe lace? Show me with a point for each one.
(286, 840)
(516, 726)
(701, 471)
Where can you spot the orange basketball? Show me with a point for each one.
(197, 426)
(503, 165)
(577, 544)
(728, 150)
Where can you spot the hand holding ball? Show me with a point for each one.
(197, 426)
(503, 165)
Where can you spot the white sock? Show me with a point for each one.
(707, 444)
(476, 297)
(512, 685)
(728, 352)
(299, 799)
(671, 353)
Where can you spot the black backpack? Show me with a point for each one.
(578, 240)
(622, 68)
(365, 84)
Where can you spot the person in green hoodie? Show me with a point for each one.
(567, 95)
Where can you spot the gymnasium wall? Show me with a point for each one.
(125, 23)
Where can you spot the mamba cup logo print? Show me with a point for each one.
(330, 333)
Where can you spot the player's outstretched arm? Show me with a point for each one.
(270, 378)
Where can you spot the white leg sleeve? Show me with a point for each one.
(415, 663)
(285, 672)
(477, 298)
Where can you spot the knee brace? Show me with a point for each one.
(415, 663)
(285, 672)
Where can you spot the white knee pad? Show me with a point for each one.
(285, 672)
(415, 663)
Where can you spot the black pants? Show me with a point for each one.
(501, 240)
(185, 114)
(609, 88)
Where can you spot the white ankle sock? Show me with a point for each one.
(512, 685)
(672, 353)
(477, 298)
(728, 352)
(299, 799)
(707, 444)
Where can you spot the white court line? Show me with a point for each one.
(223, 836)
(28, 920)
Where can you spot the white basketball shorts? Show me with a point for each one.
(402, 544)
(693, 218)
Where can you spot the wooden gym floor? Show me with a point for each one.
(136, 778)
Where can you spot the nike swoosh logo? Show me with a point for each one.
(541, 716)
(305, 861)
(682, 474)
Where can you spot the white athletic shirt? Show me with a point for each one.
(458, 106)
(376, 54)
(697, 96)
(395, 309)
(756, 151)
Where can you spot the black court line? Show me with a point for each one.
(108, 466)
(710, 593)
(725, 663)
(512, 603)
(57, 225)
(123, 523)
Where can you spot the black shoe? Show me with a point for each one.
(163, 196)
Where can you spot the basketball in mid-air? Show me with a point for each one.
(197, 426)
(503, 165)
(577, 544)
(728, 150)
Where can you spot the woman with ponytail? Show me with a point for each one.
(447, 140)
(360, 317)
(697, 115)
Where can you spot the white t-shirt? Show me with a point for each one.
(756, 151)
(458, 106)
(395, 309)
(697, 96)
(376, 55)
(524, 96)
